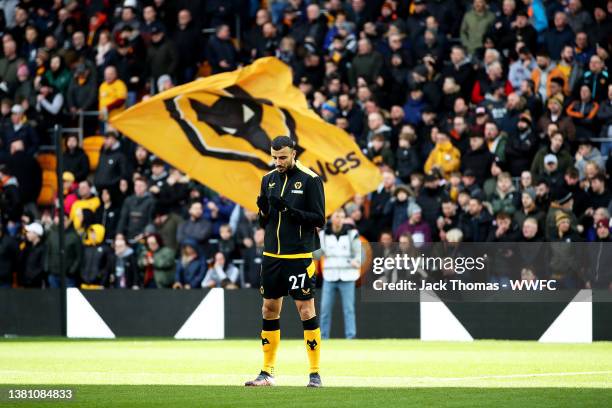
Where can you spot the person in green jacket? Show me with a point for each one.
(475, 24)
(157, 262)
(58, 75)
(73, 254)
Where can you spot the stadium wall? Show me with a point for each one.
(219, 314)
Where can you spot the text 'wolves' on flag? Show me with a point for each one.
(219, 129)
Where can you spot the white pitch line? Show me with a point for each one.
(190, 377)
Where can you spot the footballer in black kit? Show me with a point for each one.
(291, 206)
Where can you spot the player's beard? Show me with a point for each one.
(283, 169)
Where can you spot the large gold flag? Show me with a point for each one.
(218, 130)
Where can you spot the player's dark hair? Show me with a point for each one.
(281, 142)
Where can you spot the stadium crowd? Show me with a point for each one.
(486, 120)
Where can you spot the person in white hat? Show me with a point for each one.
(32, 275)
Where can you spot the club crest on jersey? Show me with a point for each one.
(298, 185)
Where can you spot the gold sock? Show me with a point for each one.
(270, 340)
(312, 341)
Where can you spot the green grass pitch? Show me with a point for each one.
(369, 373)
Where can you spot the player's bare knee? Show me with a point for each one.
(306, 311)
(269, 312)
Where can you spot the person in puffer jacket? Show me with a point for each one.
(341, 247)
(95, 267)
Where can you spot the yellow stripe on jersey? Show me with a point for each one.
(305, 255)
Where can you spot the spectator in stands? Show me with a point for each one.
(217, 211)
(75, 160)
(72, 255)
(70, 191)
(529, 231)
(378, 200)
(543, 75)
(107, 214)
(341, 247)
(558, 36)
(123, 265)
(112, 165)
(25, 94)
(476, 224)
(31, 272)
(407, 160)
(162, 58)
(87, 201)
(221, 53)
(604, 115)
(221, 274)
(188, 41)
(8, 67)
(166, 224)
(529, 209)
(11, 204)
(600, 276)
(587, 153)
(95, 268)
(521, 146)
(136, 212)
(596, 79)
(140, 163)
(597, 194)
(196, 227)
(367, 64)
(378, 153)
(505, 198)
(477, 159)
(21, 130)
(583, 112)
(28, 173)
(226, 243)
(57, 76)
(415, 225)
(562, 202)
(253, 256)
(9, 252)
(556, 115)
(475, 24)
(156, 262)
(555, 148)
(444, 157)
(81, 95)
(112, 94)
(397, 207)
(190, 267)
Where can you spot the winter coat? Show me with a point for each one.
(136, 214)
(124, 269)
(163, 266)
(95, 269)
(445, 156)
(73, 253)
(77, 163)
(112, 167)
(473, 28)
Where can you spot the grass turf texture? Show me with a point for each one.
(161, 373)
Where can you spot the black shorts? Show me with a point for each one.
(281, 277)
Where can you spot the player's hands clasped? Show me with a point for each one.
(279, 204)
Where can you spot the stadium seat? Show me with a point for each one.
(92, 146)
(47, 161)
(49, 188)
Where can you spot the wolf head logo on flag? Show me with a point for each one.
(218, 130)
(237, 114)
